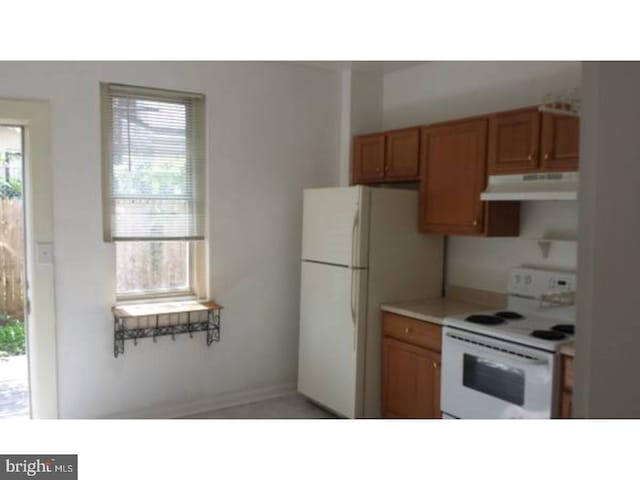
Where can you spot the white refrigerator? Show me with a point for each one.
(360, 248)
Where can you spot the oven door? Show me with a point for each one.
(483, 377)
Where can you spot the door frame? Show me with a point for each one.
(34, 116)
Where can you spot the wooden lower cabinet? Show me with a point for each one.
(566, 391)
(410, 372)
(566, 404)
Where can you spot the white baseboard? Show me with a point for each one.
(210, 404)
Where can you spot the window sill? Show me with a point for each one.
(152, 300)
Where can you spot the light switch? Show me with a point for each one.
(45, 253)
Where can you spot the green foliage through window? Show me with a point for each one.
(10, 188)
(12, 336)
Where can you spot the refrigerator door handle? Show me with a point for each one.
(353, 309)
(356, 221)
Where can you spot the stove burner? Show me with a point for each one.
(548, 334)
(484, 319)
(564, 328)
(509, 315)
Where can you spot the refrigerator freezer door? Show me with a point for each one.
(329, 335)
(335, 226)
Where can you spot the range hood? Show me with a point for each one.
(532, 186)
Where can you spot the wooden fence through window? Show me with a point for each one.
(11, 259)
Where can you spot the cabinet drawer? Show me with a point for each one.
(416, 332)
(567, 372)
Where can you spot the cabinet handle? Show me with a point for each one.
(378, 170)
(475, 223)
(546, 156)
(407, 330)
(435, 365)
(530, 157)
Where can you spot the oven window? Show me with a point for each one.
(495, 379)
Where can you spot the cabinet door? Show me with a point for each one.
(403, 151)
(453, 174)
(437, 412)
(566, 404)
(567, 379)
(560, 142)
(368, 159)
(410, 381)
(513, 142)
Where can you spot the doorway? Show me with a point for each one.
(34, 118)
(14, 373)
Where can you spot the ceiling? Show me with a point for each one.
(372, 67)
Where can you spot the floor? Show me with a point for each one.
(14, 399)
(14, 387)
(289, 406)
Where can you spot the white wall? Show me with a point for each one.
(440, 91)
(273, 130)
(361, 112)
(344, 166)
(366, 102)
(608, 301)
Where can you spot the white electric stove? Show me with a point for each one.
(503, 363)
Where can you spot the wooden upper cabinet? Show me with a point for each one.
(453, 174)
(560, 142)
(513, 141)
(402, 161)
(368, 158)
(527, 140)
(518, 141)
(392, 156)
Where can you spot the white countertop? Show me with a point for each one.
(568, 349)
(432, 310)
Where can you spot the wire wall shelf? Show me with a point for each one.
(134, 322)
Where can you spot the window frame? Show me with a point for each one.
(197, 262)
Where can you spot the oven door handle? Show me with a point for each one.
(495, 351)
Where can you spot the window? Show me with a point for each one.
(153, 189)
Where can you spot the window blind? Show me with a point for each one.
(153, 164)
